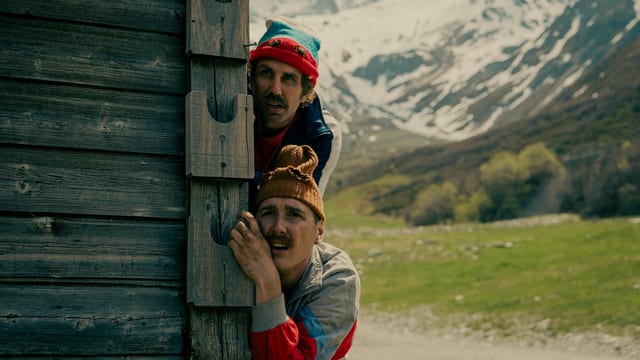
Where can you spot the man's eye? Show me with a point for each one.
(296, 215)
(289, 78)
(265, 213)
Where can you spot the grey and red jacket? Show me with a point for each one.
(318, 319)
(317, 128)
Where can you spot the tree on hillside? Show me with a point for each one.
(546, 183)
(612, 187)
(471, 208)
(513, 181)
(628, 189)
(502, 179)
(540, 163)
(434, 205)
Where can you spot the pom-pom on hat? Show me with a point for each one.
(289, 43)
(293, 178)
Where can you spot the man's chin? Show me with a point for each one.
(275, 122)
(280, 264)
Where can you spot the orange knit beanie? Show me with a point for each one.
(293, 178)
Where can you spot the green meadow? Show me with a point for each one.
(557, 274)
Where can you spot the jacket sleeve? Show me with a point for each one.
(323, 329)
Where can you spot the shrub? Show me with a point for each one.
(434, 205)
(611, 189)
(512, 181)
(628, 199)
(470, 208)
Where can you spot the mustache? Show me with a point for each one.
(283, 239)
(275, 99)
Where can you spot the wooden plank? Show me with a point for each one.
(58, 115)
(219, 149)
(68, 320)
(218, 28)
(217, 202)
(39, 180)
(232, 112)
(226, 333)
(84, 248)
(221, 80)
(152, 15)
(76, 53)
(217, 67)
(214, 277)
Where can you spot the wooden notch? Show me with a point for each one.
(218, 149)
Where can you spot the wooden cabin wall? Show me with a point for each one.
(92, 185)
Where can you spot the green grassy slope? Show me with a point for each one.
(570, 274)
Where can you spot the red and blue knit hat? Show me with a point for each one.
(291, 44)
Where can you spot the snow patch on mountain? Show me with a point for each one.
(447, 69)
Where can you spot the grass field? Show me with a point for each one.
(556, 274)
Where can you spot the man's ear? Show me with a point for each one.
(307, 99)
(319, 232)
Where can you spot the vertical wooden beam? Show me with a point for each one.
(219, 164)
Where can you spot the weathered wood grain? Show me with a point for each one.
(82, 54)
(83, 248)
(221, 81)
(39, 180)
(153, 15)
(219, 149)
(214, 277)
(58, 115)
(218, 28)
(226, 334)
(92, 185)
(71, 320)
(217, 33)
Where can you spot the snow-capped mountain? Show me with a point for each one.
(452, 69)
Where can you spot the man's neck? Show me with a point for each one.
(291, 279)
(288, 284)
(263, 131)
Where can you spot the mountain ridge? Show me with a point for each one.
(572, 87)
(586, 127)
(450, 70)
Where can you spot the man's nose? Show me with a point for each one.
(276, 87)
(279, 226)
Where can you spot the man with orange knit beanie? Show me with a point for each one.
(307, 291)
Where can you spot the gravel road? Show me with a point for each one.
(376, 340)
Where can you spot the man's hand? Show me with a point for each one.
(253, 253)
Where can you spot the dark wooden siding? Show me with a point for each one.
(92, 185)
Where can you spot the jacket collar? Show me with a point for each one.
(311, 278)
(310, 123)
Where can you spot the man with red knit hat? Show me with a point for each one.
(283, 75)
(307, 291)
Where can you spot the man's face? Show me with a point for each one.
(277, 92)
(291, 229)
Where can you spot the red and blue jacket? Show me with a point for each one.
(318, 319)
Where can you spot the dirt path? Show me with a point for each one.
(376, 340)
